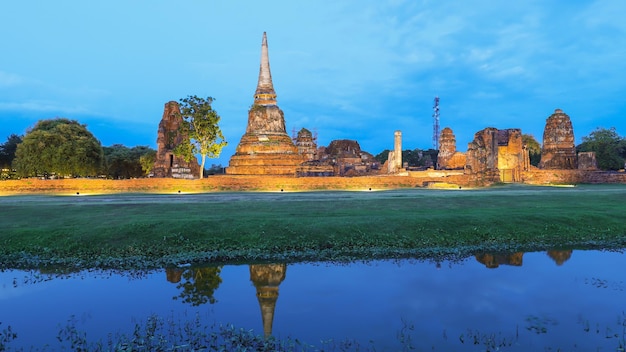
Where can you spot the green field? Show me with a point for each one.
(149, 231)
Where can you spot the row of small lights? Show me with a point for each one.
(282, 190)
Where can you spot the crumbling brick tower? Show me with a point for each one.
(558, 150)
(167, 164)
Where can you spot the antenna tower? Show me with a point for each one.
(436, 124)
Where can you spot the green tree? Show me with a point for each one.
(59, 146)
(534, 148)
(609, 147)
(215, 169)
(382, 156)
(7, 150)
(199, 285)
(415, 157)
(147, 161)
(124, 162)
(200, 130)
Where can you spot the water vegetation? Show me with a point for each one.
(150, 231)
(158, 333)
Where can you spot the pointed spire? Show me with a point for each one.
(265, 94)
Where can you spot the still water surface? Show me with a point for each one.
(573, 300)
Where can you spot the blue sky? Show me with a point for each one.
(350, 69)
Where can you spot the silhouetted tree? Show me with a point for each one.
(7, 150)
(124, 162)
(609, 147)
(382, 156)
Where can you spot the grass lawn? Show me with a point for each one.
(143, 230)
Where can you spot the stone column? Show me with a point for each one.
(397, 150)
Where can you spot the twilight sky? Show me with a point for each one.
(350, 69)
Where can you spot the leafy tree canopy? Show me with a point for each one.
(58, 146)
(609, 147)
(382, 156)
(414, 158)
(7, 150)
(124, 162)
(534, 148)
(147, 161)
(200, 129)
(198, 285)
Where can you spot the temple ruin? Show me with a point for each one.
(497, 155)
(265, 148)
(494, 260)
(560, 256)
(166, 163)
(266, 278)
(558, 150)
(306, 144)
(587, 161)
(494, 155)
(394, 158)
(448, 157)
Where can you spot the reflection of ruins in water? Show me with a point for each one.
(266, 278)
(560, 257)
(494, 260)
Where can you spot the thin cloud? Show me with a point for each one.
(9, 79)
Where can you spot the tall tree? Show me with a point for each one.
(200, 129)
(609, 147)
(534, 148)
(7, 150)
(58, 146)
(147, 161)
(124, 162)
(199, 285)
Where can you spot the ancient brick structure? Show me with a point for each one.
(394, 159)
(307, 147)
(167, 164)
(497, 155)
(587, 161)
(347, 158)
(493, 261)
(558, 150)
(482, 155)
(560, 257)
(449, 158)
(265, 148)
(512, 156)
(266, 278)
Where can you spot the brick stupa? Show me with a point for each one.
(265, 148)
(558, 151)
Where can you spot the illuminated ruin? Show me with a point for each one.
(265, 148)
(166, 163)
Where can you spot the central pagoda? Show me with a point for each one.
(265, 148)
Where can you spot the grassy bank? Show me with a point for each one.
(140, 230)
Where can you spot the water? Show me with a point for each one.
(573, 300)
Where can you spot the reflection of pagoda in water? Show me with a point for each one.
(560, 257)
(266, 278)
(493, 261)
(173, 275)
